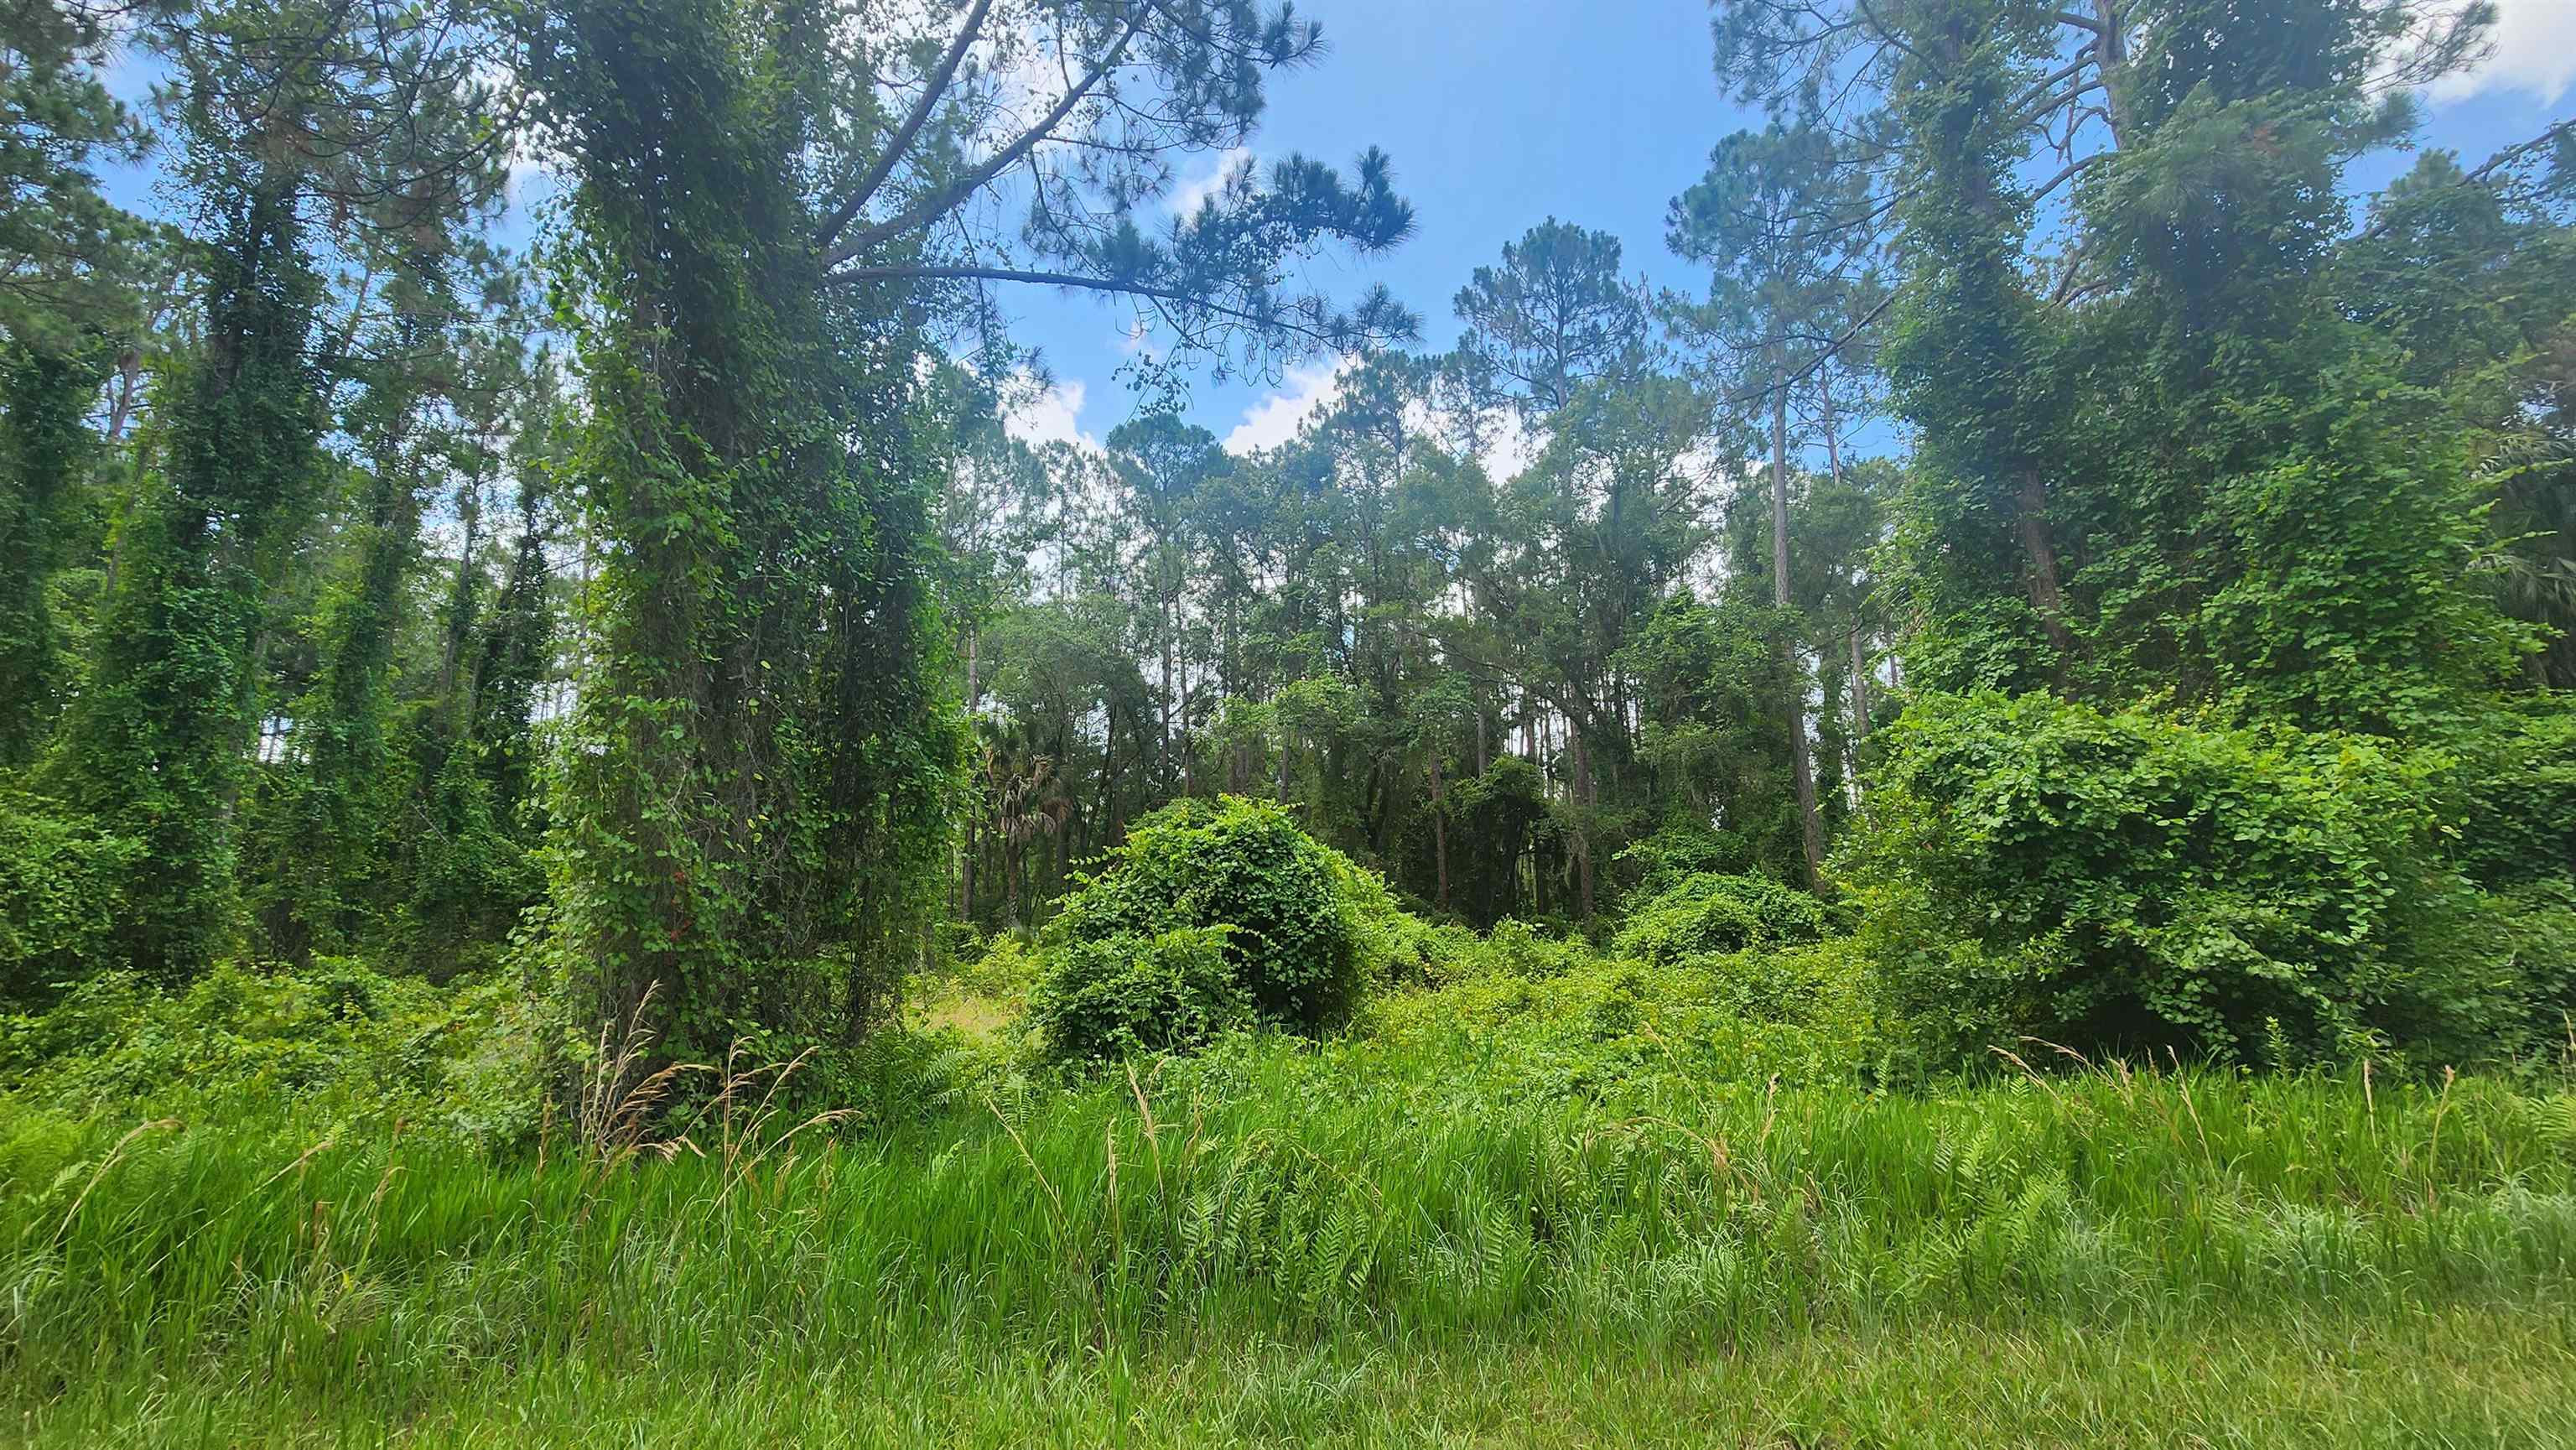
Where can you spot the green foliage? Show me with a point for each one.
(1106, 998)
(1712, 677)
(60, 883)
(330, 1046)
(1006, 970)
(155, 740)
(1705, 912)
(1365, 1193)
(2137, 882)
(1493, 816)
(46, 448)
(1297, 922)
(2215, 482)
(2350, 597)
(1553, 1018)
(1553, 316)
(471, 874)
(2514, 793)
(67, 252)
(2525, 940)
(757, 786)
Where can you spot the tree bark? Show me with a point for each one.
(2046, 596)
(1440, 830)
(1860, 686)
(1584, 797)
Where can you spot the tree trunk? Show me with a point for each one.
(1811, 829)
(1189, 757)
(1108, 824)
(2045, 594)
(1440, 831)
(1163, 704)
(460, 606)
(1860, 686)
(1583, 796)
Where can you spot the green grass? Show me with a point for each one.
(2451, 1378)
(1365, 1243)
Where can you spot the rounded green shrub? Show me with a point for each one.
(1104, 999)
(1707, 912)
(2133, 881)
(1295, 933)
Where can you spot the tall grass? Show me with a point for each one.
(1268, 1195)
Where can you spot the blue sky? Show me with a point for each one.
(1501, 113)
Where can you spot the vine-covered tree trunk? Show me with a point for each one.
(752, 813)
(43, 444)
(158, 738)
(331, 828)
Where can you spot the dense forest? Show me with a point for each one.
(2054, 650)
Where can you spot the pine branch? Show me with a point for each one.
(1076, 279)
(934, 86)
(926, 211)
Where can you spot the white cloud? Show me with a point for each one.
(1052, 414)
(1502, 445)
(1191, 191)
(1274, 420)
(1509, 448)
(526, 182)
(2535, 53)
(1136, 340)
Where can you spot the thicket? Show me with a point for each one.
(2137, 882)
(1210, 915)
(1707, 912)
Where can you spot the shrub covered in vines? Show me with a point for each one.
(1211, 913)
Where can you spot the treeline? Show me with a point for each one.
(2132, 582)
(1625, 581)
(1514, 689)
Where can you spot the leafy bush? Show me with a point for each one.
(1299, 928)
(1706, 912)
(2514, 791)
(1525, 949)
(300, 1051)
(2135, 881)
(1005, 971)
(1588, 1026)
(1105, 999)
(1661, 861)
(2528, 936)
(59, 878)
(1825, 983)
(1395, 946)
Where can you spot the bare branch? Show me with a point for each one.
(934, 86)
(923, 212)
(2072, 170)
(1068, 279)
